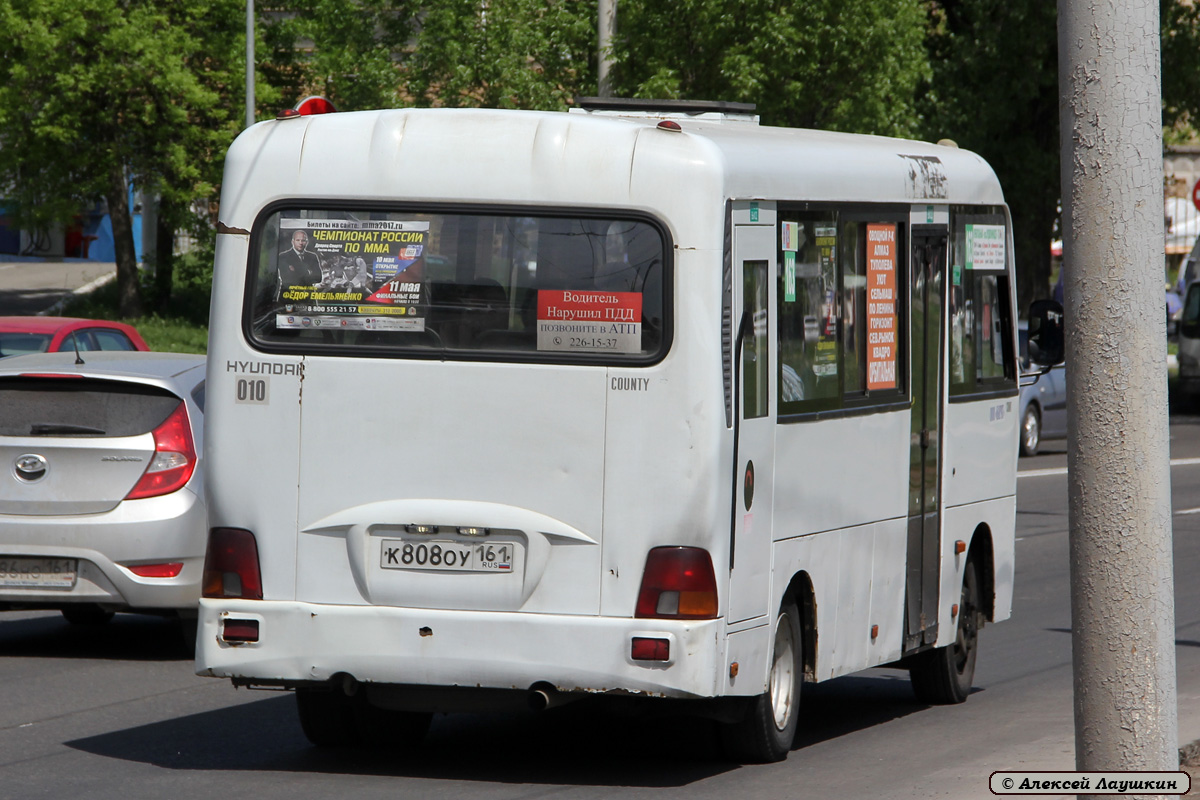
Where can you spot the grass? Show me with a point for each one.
(182, 327)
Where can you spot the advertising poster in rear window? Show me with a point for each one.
(351, 274)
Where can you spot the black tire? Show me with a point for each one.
(767, 731)
(330, 718)
(944, 676)
(187, 635)
(387, 728)
(1031, 431)
(327, 717)
(88, 614)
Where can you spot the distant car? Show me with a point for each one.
(1043, 406)
(101, 491)
(21, 335)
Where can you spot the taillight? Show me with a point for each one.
(240, 630)
(231, 565)
(166, 570)
(678, 583)
(174, 457)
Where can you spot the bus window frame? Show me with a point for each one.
(994, 387)
(391, 352)
(856, 402)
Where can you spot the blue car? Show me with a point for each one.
(1043, 404)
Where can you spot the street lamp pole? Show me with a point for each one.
(249, 63)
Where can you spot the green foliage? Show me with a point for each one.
(504, 53)
(821, 64)
(348, 52)
(93, 92)
(995, 91)
(182, 329)
(1181, 70)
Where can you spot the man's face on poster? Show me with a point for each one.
(299, 241)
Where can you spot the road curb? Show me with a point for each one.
(87, 288)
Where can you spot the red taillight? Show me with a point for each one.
(168, 570)
(231, 565)
(240, 630)
(645, 649)
(174, 457)
(678, 583)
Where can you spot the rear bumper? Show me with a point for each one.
(301, 642)
(171, 528)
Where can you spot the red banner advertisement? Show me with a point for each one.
(882, 330)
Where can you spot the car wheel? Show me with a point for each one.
(1031, 431)
(766, 732)
(326, 717)
(943, 676)
(86, 614)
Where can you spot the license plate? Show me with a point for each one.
(445, 556)
(38, 573)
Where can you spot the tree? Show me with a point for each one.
(821, 64)
(94, 93)
(504, 53)
(1180, 69)
(995, 91)
(349, 52)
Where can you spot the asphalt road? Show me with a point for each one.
(30, 287)
(116, 712)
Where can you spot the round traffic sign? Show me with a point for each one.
(1196, 195)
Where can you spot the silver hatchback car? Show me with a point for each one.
(101, 491)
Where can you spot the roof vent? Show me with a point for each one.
(718, 110)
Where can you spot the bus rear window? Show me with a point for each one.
(459, 285)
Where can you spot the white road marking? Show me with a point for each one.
(1041, 473)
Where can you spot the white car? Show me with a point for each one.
(101, 491)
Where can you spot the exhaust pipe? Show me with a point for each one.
(543, 696)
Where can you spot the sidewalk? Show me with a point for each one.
(39, 287)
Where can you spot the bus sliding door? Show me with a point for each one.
(927, 283)
(754, 428)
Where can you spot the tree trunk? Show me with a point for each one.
(1033, 226)
(129, 299)
(164, 255)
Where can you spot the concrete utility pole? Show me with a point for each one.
(1122, 594)
(607, 30)
(249, 63)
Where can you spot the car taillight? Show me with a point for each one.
(678, 583)
(174, 457)
(166, 570)
(231, 565)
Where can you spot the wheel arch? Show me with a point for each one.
(982, 552)
(800, 591)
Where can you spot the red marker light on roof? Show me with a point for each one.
(288, 113)
(669, 125)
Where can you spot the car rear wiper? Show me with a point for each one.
(52, 428)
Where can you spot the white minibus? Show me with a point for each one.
(646, 399)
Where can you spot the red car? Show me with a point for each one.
(20, 335)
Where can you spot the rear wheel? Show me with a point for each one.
(86, 614)
(1031, 431)
(331, 718)
(326, 717)
(943, 676)
(769, 727)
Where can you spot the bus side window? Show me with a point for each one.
(980, 333)
(754, 346)
(809, 356)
